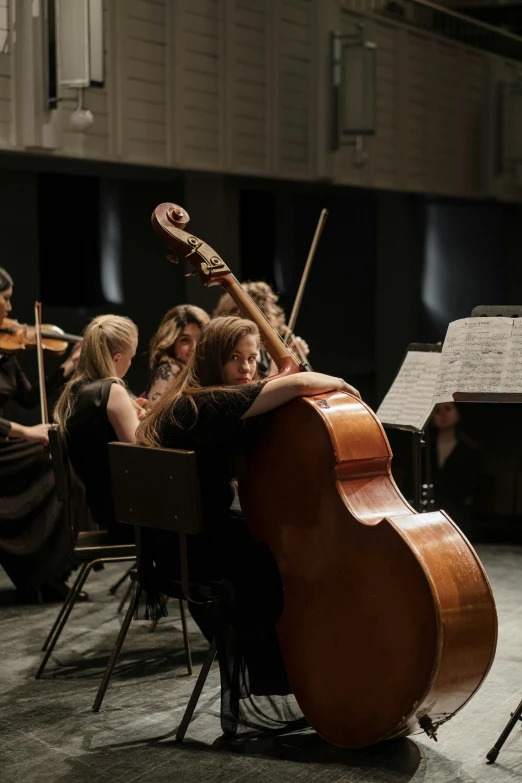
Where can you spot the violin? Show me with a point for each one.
(17, 337)
(389, 624)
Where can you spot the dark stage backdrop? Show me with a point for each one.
(78, 236)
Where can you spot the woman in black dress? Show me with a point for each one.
(172, 346)
(456, 463)
(213, 408)
(35, 539)
(95, 408)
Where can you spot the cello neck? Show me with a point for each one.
(213, 271)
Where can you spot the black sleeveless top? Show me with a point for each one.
(88, 433)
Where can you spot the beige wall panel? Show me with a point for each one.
(146, 11)
(5, 88)
(295, 42)
(416, 122)
(147, 91)
(145, 151)
(146, 110)
(383, 146)
(5, 134)
(5, 65)
(143, 80)
(146, 72)
(445, 135)
(473, 106)
(197, 95)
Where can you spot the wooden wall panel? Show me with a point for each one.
(248, 44)
(198, 95)
(5, 77)
(295, 82)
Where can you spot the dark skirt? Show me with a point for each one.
(35, 536)
(256, 697)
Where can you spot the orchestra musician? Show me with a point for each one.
(35, 542)
(172, 346)
(96, 408)
(212, 407)
(268, 302)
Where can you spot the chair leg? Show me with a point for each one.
(196, 693)
(66, 602)
(118, 584)
(186, 638)
(77, 588)
(123, 601)
(116, 650)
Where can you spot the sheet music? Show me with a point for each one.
(409, 402)
(481, 355)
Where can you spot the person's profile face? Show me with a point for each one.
(123, 359)
(5, 303)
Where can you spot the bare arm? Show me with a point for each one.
(303, 384)
(122, 414)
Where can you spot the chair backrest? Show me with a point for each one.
(58, 461)
(158, 488)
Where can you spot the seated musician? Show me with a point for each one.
(268, 302)
(172, 346)
(211, 408)
(456, 463)
(35, 541)
(95, 408)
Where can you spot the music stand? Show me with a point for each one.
(489, 311)
(421, 478)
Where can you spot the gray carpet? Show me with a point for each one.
(48, 732)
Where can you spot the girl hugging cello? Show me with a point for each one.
(211, 408)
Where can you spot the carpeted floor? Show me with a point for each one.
(49, 733)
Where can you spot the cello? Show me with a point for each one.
(389, 624)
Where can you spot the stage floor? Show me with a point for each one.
(48, 732)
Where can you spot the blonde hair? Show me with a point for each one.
(204, 372)
(103, 337)
(264, 297)
(171, 327)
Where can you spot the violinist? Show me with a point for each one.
(172, 346)
(268, 302)
(96, 408)
(211, 408)
(34, 536)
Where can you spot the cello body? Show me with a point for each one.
(389, 624)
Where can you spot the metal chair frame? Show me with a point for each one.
(159, 507)
(88, 549)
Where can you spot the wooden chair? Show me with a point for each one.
(159, 488)
(90, 547)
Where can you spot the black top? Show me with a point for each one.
(15, 386)
(217, 434)
(88, 433)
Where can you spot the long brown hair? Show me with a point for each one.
(171, 327)
(103, 337)
(265, 298)
(204, 372)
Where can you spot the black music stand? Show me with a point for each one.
(422, 486)
(503, 311)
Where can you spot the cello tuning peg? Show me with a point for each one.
(172, 257)
(190, 274)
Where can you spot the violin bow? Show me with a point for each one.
(306, 271)
(39, 351)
